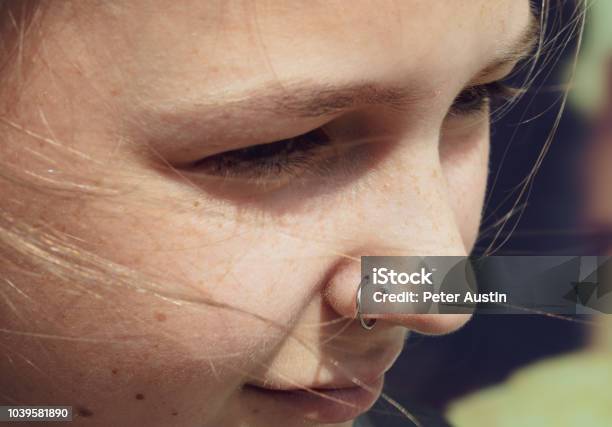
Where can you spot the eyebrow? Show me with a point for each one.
(518, 50)
(315, 100)
(308, 101)
(311, 101)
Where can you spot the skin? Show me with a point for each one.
(109, 92)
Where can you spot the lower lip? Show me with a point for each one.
(327, 406)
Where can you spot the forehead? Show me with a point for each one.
(182, 45)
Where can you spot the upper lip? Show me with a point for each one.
(320, 387)
(350, 374)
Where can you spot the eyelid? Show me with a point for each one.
(500, 73)
(473, 99)
(254, 163)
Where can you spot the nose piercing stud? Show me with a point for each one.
(366, 324)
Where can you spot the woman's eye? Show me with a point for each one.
(292, 157)
(474, 99)
(288, 157)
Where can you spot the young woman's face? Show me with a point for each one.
(247, 263)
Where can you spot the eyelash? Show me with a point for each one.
(474, 99)
(264, 162)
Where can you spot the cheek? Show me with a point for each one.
(464, 160)
(154, 306)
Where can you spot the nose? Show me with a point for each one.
(341, 295)
(404, 213)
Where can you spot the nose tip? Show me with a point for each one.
(341, 294)
(429, 324)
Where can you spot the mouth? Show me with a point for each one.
(327, 404)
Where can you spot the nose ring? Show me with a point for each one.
(366, 324)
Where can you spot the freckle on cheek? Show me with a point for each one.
(140, 396)
(160, 317)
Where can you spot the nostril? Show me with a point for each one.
(342, 287)
(367, 323)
